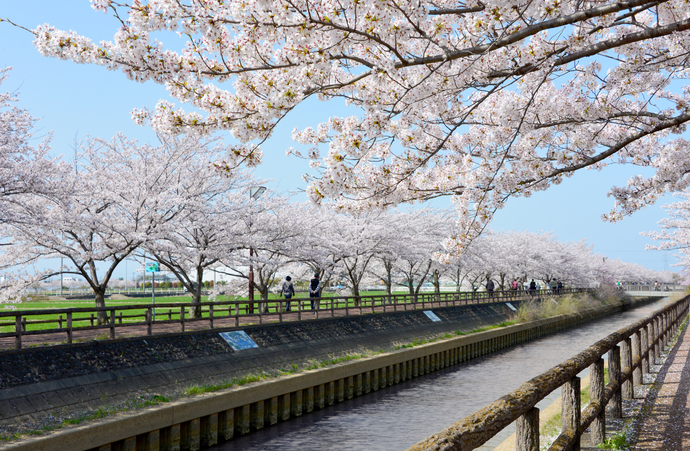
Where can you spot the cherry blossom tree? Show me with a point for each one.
(418, 241)
(478, 100)
(23, 168)
(358, 239)
(674, 231)
(272, 229)
(122, 196)
(208, 230)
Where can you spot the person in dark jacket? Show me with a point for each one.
(490, 287)
(314, 290)
(288, 291)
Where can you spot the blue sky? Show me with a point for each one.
(78, 100)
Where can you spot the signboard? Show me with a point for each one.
(432, 316)
(152, 267)
(511, 306)
(238, 340)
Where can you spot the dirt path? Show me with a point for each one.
(666, 424)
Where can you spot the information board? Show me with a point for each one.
(238, 340)
(511, 306)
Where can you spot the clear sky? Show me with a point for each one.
(74, 101)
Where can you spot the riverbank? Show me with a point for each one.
(470, 346)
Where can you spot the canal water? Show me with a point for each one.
(400, 416)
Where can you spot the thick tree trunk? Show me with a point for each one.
(263, 305)
(100, 302)
(355, 293)
(437, 285)
(195, 309)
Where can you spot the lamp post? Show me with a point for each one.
(254, 193)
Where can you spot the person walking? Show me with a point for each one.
(532, 287)
(314, 290)
(288, 291)
(490, 287)
(514, 285)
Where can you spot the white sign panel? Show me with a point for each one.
(432, 316)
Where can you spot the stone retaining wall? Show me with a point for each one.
(58, 380)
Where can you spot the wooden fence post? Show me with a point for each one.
(112, 323)
(69, 327)
(18, 331)
(637, 373)
(626, 363)
(570, 408)
(182, 318)
(644, 348)
(527, 433)
(615, 405)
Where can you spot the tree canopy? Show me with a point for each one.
(478, 100)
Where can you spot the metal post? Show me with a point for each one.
(251, 282)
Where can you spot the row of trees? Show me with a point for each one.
(478, 100)
(119, 199)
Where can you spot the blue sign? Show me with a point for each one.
(432, 316)
(238, 340)
(152, 267)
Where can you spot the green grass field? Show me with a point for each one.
(81, 319)
(163, 312)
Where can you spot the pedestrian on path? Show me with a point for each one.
(314, 290)
(288, 291)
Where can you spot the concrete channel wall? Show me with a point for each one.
(204, 420)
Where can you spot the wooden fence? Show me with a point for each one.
(24, 323)
(630, 352)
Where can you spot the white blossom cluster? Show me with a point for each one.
(675, 232)
(478, 100)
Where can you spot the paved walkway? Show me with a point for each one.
(666, 412)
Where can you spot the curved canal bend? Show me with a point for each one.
(399, 416)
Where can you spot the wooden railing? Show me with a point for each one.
(630, 352)
(24, 323)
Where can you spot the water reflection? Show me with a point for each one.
(402, 415)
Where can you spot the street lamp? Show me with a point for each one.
(254, 193)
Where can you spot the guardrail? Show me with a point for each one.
(650, 287)
(234, 313)
(630, 351)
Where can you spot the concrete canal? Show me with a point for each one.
(402, 415)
